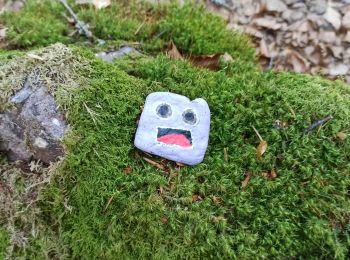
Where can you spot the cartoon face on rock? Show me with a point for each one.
(173, 127)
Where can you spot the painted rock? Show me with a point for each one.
(173, 127)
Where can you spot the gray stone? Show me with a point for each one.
(117, 54)
(173, 127)
(318, 6)
(33, 127)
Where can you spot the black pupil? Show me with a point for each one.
(189, 116)
(163, 110)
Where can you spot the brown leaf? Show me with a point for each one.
(196, 197)
(347, 37)
(173, 52)
(275, 6)
(346, 20)
(299, 63)
(333, 17)
(246, 180)
(206, 61)
(161, 190)
(341, 136)
(269, 175)
(227, 57)
(127, 170)
(158, 165)
(262, 147)
(164, 220)
(267, 23)
(264, 49)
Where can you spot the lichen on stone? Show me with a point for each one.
(55, 67)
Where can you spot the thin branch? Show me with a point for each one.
(318, 123)
(81, 26)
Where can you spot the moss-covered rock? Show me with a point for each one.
(106, 200)
(106, 194)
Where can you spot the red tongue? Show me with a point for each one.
(178, 139)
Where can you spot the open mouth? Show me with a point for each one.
(174, 136)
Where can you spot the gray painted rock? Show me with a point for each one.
(33, 126)
(173, 127)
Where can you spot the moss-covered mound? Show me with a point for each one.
(105, 200)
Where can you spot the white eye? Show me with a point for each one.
(189, 117)
(164, 110)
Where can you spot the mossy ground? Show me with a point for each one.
(106, 201)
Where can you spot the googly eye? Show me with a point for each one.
(189, 117)
(164, 110)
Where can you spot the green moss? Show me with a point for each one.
(4, 238)
(196, 31)
(303, 212)
(193, 29)
(93, 208)
(40, 23)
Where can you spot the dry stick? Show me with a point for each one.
(158, 165)
(81, 26)
(108, 202)
(257, 133)
(318, 123)
(225, 154)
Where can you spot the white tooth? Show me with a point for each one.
(151, 120)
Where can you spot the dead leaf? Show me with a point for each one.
(346, 20)
(180, 164)
(267, 23)
(269, 175)
(127, 170)
(275, 5)
(299, 63)
(158, 165)
(338, 69)
(206, 61)
(262, 147)
(196, 197)
(99, 4)
(161, 190)
(34, 56)
(246, 180)
(341, 136)
(164, 220)
(227, 57)
(173, 52)
(333, 17)
(347, 37)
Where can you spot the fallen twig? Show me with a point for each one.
(246, 180)
(318, 123)
(82, 27)
(158, 165)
